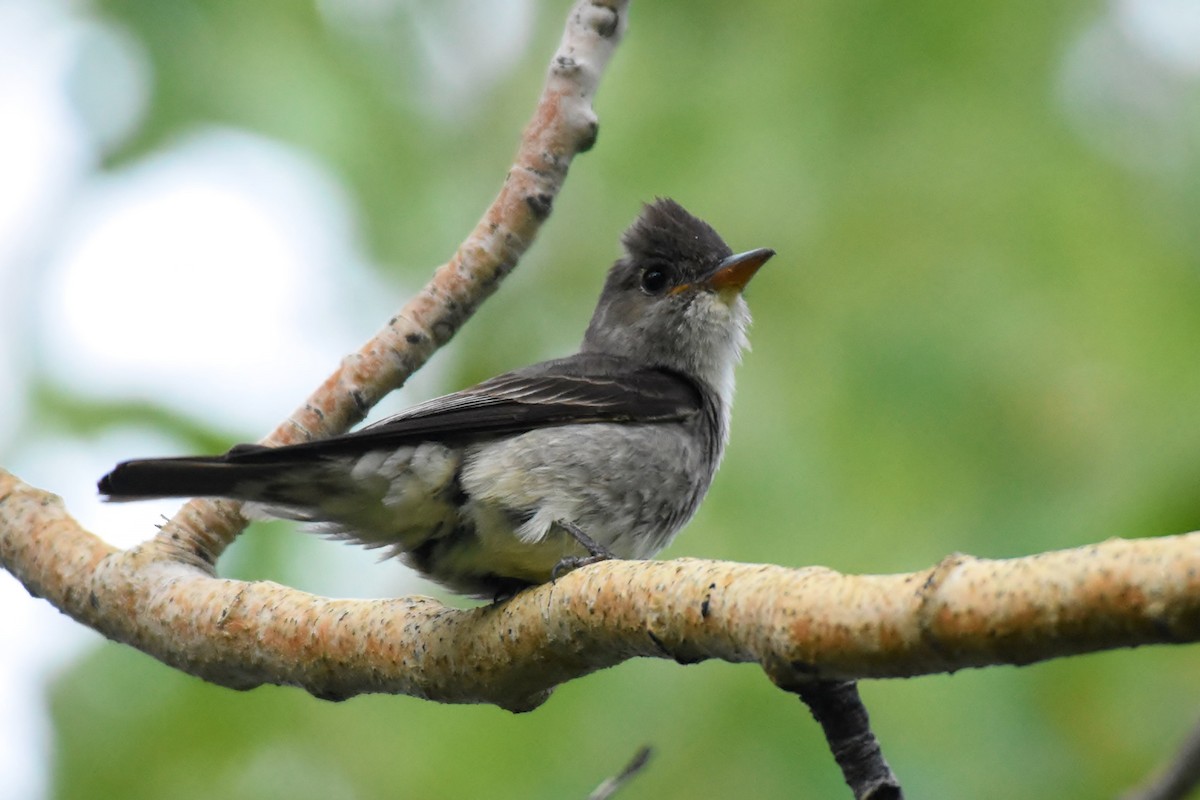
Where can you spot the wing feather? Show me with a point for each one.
(580, 389)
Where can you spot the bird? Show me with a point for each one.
(606, 453)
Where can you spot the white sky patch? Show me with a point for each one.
(38, 642)
(1128, 86)
(42, 154)
(464, 46)
(214, 277)
(41, 149)
(109, 83)
(1169, 30)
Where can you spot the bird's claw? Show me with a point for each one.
(596, 552)
(572, 563)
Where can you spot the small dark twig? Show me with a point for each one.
(843, 717)
(1177, 778)
(612, 785)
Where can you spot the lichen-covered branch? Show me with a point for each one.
(799, 624)
(563, 125)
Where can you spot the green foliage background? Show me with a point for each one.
(979, 335)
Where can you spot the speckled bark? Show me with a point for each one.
(799, 624)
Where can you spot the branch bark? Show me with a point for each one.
(838, 708)
(798, 624)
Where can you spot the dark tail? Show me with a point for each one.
(202, 476)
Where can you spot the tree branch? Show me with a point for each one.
(798, 624)
(838, 708)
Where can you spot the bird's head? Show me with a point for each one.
(674, 299)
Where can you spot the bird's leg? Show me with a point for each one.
(594, 548)
(596, 551)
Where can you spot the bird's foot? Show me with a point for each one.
(596, 551)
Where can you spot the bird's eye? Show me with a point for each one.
(654, 280)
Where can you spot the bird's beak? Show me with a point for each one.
(732, 274)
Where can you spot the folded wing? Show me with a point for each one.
(581, 389)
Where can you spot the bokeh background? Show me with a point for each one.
(980, 334)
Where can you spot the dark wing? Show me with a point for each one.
(583, 388)
(579, 389)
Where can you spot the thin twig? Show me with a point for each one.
(1177, 778)
(836, 705)
(613, 785)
